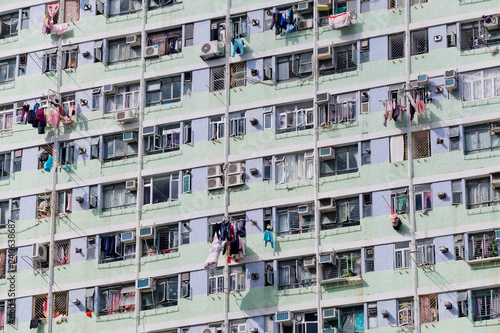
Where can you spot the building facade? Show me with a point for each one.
(352, 145)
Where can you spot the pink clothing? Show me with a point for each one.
(59, 28)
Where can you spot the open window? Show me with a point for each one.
(9, 25)
(425, 252)
(64, 202)
(113, 300)
(169, 41)
(164, 295)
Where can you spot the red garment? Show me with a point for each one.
(231, 232)
(420, 107)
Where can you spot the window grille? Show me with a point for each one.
(62, 252)
(44, 205)
(238, 75)
(218, 75)
(421, 146)
(419, 42)
(72, 11)
(428, 309)
(397, 46)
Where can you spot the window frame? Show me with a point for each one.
(128, 95)
(402, 257)
(9, 66)
(173, 188)
(11, 20)
(129, 10)
(127, 292)
(117, 190)
(163, 88)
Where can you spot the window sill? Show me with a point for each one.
(294, 134)
(156, 206)
(114, 264)
(345, 176)
(164, 57)
(165, 9)
(129, 63)
(8, 85)
(480, 102)
(483, 210)
(481, 155)
(296, 237)
(164, 310)
(296, 291)
(124, 161)
(160, 257)
(159, 155)
(336, 76)
(123, 16)
(116, 316)
(4, 182)
(483, 49)
(9, 39)
(123, 211)
(293, 185)
(341, 230)
(488, 322)
(341, 282)
(484, 261)
(164, 107)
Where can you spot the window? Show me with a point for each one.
(115, 148)
(216, 128)
(71, 11)
(124, 7)
(5, 159)
(236, 280)
(62, 252)
(10, 25)
(372, 315)
(218, 30)
(268, 68)
(459, 245)
(117, 197)
(290, 221)
(369, 259)
(365, 51)
(405, 312)
(96, 99)
(269, 275)
(481, 84)
(485, 304)
(345, 161)
(60, 305)
(4, 213)
(425, 252)
(7, 70)
(153, 4)
(114, 249)
(397, 45)
(421, 145)
(217, 75)
(52, 11)
(268, 117)
(238, 75)
(66, 153)
(91, 248)
(98, 51)
(419, 42)
(168, 42)
(94, 148)
(347, 212)
(213, 222)
(342, 265)
(480, 193)
(337, 111)
(185, 232)
(64, 202)
(367, 205)
(454, 138)
(237, 124)
(126, 97)
(294, 66)
(163, 91)
(119, 50)
(15, 209)
(188, 83)
(89, 299)
(293, 274)
(295, 167)
(402, 255)
(43, 207)
(23, 60)
(462, 304)
(483, 245)
(189, 33)
(295, 119)
(451, 35)
(399, 200)
(365, 153)
(267, 168)
(396, 3)
(164, 295)
(70, 56)
(113, 300)
(6, 117)
(49, 60)
(161, 139)
(239, 26)
(161, 189)
(472, 36)
(481, 138)
(456, 192)
(17, 163)
(423, 197)
(344, 58)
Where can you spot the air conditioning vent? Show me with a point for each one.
(365, 107)
(214, 183)
(327, 153)
(151, 51)
(305, 24)
(147, 284)
(40, 252)
(324, 52)
(211, 49)
(327, 205)
(422, 80)
(310, 262)
(128, 237)
(149, 130)
(131, 185)
(304, 210)
(234, 168)
(323, 98)
(326, 258)
(124, 116)
(214, 171)
(133, 41)
(450, 74)
(304, 7)
(495, 179)
(129, 137)
(450, 84)
(235, 180)
(329, 314)
(147, 233)
(493, 24)
(282, 317)
(109, 89)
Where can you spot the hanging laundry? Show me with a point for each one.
(34, 323)
(238, 44)
(225, 230)
(59, 28)
(47, 166)
(31, 113)
(290, 28)
(213, 256)
(241, 228)
(420, 106)
(268, 237)
(24, 114)
(340, 20)
(216, 230)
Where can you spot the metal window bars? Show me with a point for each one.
(44, 204)
(40, 305)
(401, 3)
(238, 75)
(419, 42)
(397, 46)
(428, 309)
(62, 252)
(421, 144)
(218, 76)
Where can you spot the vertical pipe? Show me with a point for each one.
(317, 224)
(227, 81)
(140, 155)
(53, 195)
(411, 199)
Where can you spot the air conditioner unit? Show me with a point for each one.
(235, 180)
(493, 24)
(323, 98)
(495, 179)
(327, 153)
(214, 171)
(124, 116)
(147, 284)
(310, 262)
(109, 89)
(234, 168)
(283, 317)
(133, 40)
(422, 80)
(330, 314)
(210, 330)
(305, 24)
(326, 258)
(304, 7)
(324, 5)
(151, 51)
(18, 120)
(211, 50)
(495, 128)
(327, 205)
(304, 210)
(147, 233)
(241, 328)
(450, 74)
(324, 52)
(149, 130)
(129, 137)
(214, 183)
(450, 84)
(44, 103)
(128, 237)
(131, 185)
(40, 252)
(365, 107)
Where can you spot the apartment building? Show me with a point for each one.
(353, 147)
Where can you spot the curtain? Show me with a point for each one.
(291, 168)
(397, 148)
